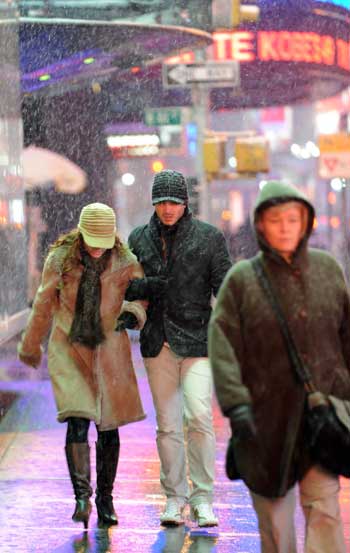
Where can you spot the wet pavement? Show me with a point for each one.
(36, 496)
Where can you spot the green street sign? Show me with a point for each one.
(156, 117)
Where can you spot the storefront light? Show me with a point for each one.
(157, 166)
(327, 122)
(337, 184)
(16, 211)
(332, 198)
(295, 149)
(232, 161)
(132, 140)
(312, 149)
(304, 153)
(334, 222)
(226, 215)
(128, 179)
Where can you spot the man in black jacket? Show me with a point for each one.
(185, 261)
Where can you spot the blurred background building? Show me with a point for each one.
(230, 93)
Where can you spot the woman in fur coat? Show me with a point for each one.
(81, 299)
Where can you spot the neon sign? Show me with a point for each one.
(341, 3)
(282, 46)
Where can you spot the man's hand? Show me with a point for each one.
(126, 320)
(156, 286)
(242, 422)
(147, 288)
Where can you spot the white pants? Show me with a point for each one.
(323, 525)
(182, 391)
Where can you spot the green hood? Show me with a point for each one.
(274, 193)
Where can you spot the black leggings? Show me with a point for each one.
(77, 432)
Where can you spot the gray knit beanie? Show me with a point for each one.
(169, 186)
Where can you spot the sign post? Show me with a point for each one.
(199, 77)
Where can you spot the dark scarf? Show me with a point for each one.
(167, 233)
(86, 327)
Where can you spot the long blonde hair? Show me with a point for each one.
(72, 242)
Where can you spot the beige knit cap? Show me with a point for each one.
(97, 225)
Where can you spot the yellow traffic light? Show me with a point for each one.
(252, 154)
(240, 14)
(214, 154)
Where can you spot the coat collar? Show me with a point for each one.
(299, 258)
(181, 232)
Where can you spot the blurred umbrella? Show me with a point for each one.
(41, 167)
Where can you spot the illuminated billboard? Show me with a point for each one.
(304, 4)
(282, 46)
(341, 3)
(295, 52)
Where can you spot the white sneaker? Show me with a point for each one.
(203, 514)
(173, 513)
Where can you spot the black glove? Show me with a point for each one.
(126, 320)
(242, 422)
(147, 288)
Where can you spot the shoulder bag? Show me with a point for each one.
(327, 417)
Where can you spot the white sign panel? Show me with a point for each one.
(334, 158)
(334, 164)
(214, 73)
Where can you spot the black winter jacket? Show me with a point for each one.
(197, 265)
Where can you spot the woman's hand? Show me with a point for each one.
(32, 359)
(242, 422)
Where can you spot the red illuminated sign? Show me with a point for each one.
(282, 46)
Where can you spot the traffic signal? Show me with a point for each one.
(243, 13)
(193, 193)
(229, 14)
(214, 154)
(252, 154)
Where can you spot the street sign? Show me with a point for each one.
(330, 143)
(334, 158)
(215, 73)
(156, 117)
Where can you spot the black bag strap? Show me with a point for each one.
(297, 364)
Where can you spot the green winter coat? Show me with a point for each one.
(98, 384)
(250, 362)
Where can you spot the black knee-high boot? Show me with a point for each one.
(107, 455)
(78, 460)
